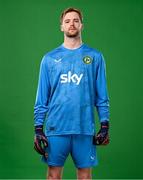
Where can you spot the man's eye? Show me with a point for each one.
(76, 20)
(66, 21)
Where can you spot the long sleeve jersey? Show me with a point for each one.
(71, 83)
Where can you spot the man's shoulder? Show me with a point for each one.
(53, 52)
(92, 50)
(52, 55)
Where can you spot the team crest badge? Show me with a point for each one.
(87, 60)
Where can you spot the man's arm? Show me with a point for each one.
(102, 103)
(102, 99)
(42, 96)
(41, 108)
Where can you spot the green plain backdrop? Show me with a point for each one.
(30, 28)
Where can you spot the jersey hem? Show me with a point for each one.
(87, 165)
(69, 133)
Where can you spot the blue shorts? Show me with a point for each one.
(80, 147)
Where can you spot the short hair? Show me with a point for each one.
(71, 9)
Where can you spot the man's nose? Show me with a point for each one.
(71, 23)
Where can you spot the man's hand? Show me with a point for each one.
(40, 141)
(102, 137)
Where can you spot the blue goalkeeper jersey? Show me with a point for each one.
(71, 83)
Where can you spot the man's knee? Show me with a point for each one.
(54, 173)
(52, 176)
(84, 174)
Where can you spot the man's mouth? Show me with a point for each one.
(72, 29)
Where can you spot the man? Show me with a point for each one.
(72, 82)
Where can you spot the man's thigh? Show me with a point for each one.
(58, 150)
(83, 151)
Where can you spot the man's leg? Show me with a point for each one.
(84, 155)
(84, 174)
(54, 173)
(58, 150)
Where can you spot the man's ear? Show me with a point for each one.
(61, 27)
(82, 26)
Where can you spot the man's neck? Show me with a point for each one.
(72, 43)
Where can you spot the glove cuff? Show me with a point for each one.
(105, 125)
(39, 129)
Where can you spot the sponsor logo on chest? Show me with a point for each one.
(69, 77)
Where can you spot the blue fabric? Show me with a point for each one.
(80, 147)
(71, 83)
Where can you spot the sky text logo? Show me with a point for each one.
(69, 77)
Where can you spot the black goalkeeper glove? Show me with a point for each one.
(102, 137)
(40, 141)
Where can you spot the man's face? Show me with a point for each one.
(71, 25)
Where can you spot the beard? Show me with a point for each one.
(72, 34)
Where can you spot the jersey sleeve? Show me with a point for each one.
(102, 99)
(43, 93)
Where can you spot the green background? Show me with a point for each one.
(30, 28)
